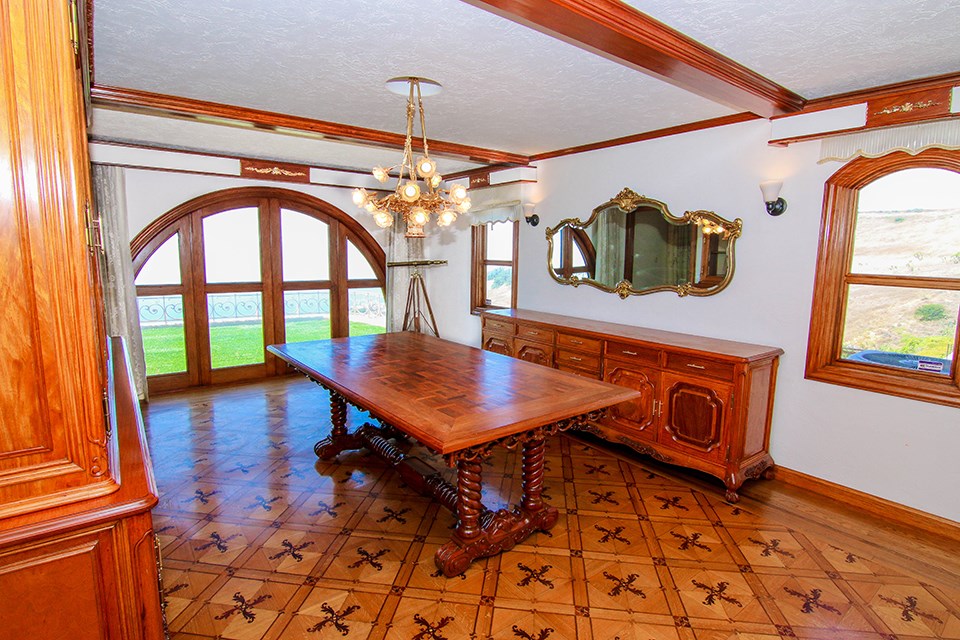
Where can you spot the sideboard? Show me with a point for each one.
(706, 403)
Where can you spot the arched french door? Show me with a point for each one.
(221, 276)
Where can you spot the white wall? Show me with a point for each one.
(902, 450)
(898, 449)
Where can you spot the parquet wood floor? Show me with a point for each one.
(262, 541)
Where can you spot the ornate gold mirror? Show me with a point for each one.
(632, 245)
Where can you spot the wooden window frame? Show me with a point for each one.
(824, 362)
(187, 219)
(479, 263)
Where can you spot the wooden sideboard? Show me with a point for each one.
(706, 403)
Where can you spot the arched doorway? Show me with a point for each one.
(223, 275)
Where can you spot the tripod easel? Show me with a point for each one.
(414, 318)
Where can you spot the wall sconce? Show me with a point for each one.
(771, 196)
(530, 215)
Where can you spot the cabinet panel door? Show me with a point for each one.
(694, 411)
(638, 416)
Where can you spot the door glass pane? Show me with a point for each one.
(908, 224)
(357, 266)
(305, 247)
(163, 267)
(901, 327)
(306, 315)
(236, 329)
(161, 324)
(499, 286)
(368, 312)
(500, 241)
(231, 245)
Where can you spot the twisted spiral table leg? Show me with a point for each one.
(532, 467)
(338, 440)
(469, 505)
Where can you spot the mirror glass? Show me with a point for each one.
(632, 245)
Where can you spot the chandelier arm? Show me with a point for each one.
(423, 123)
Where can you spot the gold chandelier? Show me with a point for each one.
(415, 203)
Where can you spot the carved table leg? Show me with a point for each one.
(542, 515)
(454, 557)
(338, 440)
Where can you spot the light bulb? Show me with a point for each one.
(426, 167)
(381, 174)
(360, 196)
(447, 217)
(457, 193)
(464, 206)
(383, 219)
(410, 192)
(370, 206)
(419, 216)
(435, 180)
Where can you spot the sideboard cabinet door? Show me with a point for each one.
(636, 418)
(694, 413)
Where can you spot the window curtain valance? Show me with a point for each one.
(912, 139)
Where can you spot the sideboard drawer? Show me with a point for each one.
(580, 343)
(633, 353)
(699, 366)
(535, 333)
(578, 360)
(503, 327)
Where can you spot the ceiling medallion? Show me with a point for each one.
(415, 203)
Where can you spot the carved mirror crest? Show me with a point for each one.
(633, 245)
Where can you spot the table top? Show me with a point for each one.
(447, 395)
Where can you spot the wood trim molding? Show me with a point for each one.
(649, 135)
(623, 34)
(893, 512)
(138, 101)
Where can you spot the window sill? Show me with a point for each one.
(925, 387)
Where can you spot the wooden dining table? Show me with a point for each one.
(460, 403)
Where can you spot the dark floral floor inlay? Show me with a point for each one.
(260, 540)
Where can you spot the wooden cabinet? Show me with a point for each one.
(77, 555)
(705, 403)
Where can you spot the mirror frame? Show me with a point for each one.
(628, 200)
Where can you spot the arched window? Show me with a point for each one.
(224, 275)
(887, 291)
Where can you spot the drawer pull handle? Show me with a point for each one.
(629, 353)
(534, 333)
(576, 342)
(696, 366)
(576, 359)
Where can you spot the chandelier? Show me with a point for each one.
(415, 203)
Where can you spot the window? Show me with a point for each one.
(224, 275)
(887, 292)
(494, 271)
(574, 254)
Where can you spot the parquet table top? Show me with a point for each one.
(447, 395)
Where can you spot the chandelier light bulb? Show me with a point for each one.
(381, 174)
(383, 219)
(360, 196)
(410, 192)
(458, 193)
(426, 167)
(464, 206)
(447, 217)
(419, 216)
(435, 180)
(370, 206)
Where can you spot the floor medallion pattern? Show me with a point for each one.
(260, 540)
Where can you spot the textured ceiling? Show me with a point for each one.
(506, 87)
(818, 47)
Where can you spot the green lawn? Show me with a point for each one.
(233, 344)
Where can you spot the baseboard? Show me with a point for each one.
(891, 511)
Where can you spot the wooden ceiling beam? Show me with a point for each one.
(623, 34)
(161, 104)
